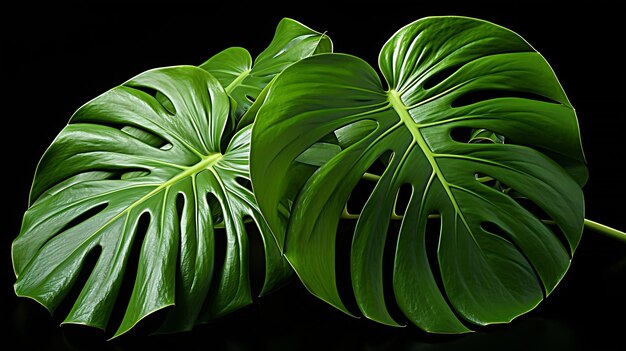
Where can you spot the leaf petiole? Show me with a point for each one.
(603, 229)
(589, 224)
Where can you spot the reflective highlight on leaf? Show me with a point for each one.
(244, 80)
(495, 258)
(147, 149)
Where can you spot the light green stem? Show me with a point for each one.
(602, 229)
(589, 224)
(371, 177)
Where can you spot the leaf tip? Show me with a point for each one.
(126, 326)
(19, 293)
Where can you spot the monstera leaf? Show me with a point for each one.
(156, 164)
(244, 81)
(97, 183)
(449, 80)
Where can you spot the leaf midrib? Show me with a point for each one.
(402, 111)
(237, 81)
(206, 162)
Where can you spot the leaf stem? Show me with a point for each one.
(229, 89)
(371, 177)
(589, 224)
(603, 229)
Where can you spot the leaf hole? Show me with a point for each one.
(343, 245)
(220, 248)
(130, 272)
(180, 206)
(380, 165)
(89, 213)
(85, 270)
(86, 176)
(431, 242)
(109, 174)
(220, 244)
(359, 195)
(538, 212)
(147, 137)
(215, 207)
(495, 229)
(161, 98)
(490, 94)
(440, 75)
(402, 199)
(364, 188)
(148, 90)
(130, 173)
(334, 142)
(461, 134)
(250, 98)
(256, 258)
(244, 182)
(166, 103)
(389, 254)
(528, 205)
(181, 202)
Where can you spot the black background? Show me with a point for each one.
(58, 57)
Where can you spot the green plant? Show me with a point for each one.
(156, 163)
(451, 81)
(161, 164)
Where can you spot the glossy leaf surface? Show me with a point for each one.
(200, 188)
(447, 78)
(142, 166)
(244, 79)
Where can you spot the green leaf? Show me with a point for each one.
(244, 81)
(147, 149)
(446, 76)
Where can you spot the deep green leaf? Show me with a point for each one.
(150, 147)
(244, 80)
(446, 77)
